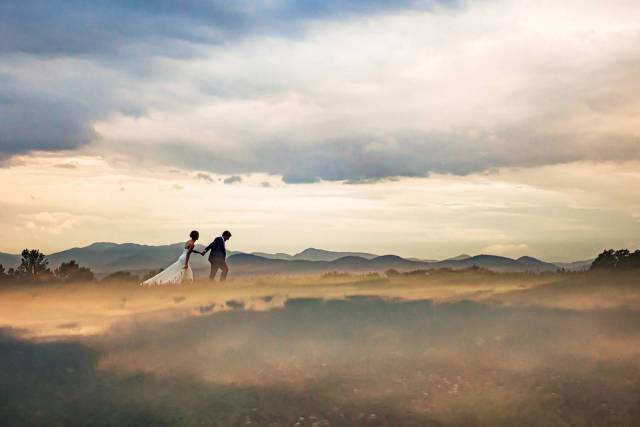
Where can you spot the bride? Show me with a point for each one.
(180, 270)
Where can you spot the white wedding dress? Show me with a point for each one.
(172, 275)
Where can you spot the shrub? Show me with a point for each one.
(72, 272)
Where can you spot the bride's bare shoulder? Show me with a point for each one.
(190, 244)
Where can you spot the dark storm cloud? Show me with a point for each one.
(105, 60)
(126, 37)
(421, 154)
(367, 160)
(97, 27)
(30, 121)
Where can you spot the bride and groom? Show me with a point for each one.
(180, 270)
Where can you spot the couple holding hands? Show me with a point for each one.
(180, 270)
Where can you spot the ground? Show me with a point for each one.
(443, 349)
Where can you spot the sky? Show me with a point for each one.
(420, 128)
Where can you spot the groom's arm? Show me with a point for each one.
(207, 248)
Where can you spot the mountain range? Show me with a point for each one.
(313, 254)
(104, 258)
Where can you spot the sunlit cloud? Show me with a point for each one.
(435, 217)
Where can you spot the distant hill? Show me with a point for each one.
(313, 254)
(249, 264)
(497, 263)
(278, 255)
(9, 260)
(104, 258)
(459, 257)
(245, 264)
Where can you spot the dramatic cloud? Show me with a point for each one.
(311, 91)
(30, 121)
(108, 51)
(76, 27)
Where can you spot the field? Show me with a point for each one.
(445, 349)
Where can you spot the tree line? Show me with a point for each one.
(621, 259)
(34, 268)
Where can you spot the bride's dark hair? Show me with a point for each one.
(194, 235)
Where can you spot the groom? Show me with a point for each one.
(218, 255)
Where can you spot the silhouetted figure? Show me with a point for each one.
(218, 256)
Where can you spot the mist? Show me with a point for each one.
(446, 349)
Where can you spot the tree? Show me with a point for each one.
(33, 264)
(634, 259)
(621, 259)
(72, 272)
(606, 260)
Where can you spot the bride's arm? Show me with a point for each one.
(190, 249)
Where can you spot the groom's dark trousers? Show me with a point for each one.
(217, 258)
(218, 263)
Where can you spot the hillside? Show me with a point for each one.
(104, 258)
(245, 264)
(497, 263)
(9, 260)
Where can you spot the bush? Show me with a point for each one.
(72, 272)
(33, 266)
